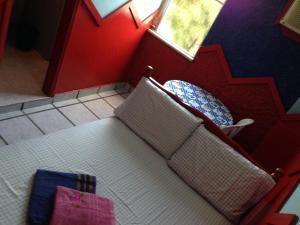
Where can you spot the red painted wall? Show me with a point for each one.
(273, 139)
(96, 55)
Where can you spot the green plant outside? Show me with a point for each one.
(187, 22)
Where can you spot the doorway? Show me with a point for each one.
(30, 40)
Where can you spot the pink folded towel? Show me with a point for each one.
(79, 208)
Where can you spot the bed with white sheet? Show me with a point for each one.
(143, 188)
(134, 156)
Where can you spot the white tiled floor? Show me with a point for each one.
(38, 109)
(50, 121)
(19, 128)
(89, 98)
(115, 100)
(100, 108)
(65, 103)
(107, 93)
(78, 114)
(10, 115)
(2, 143)
(33, 122)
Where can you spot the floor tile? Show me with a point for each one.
(107, 93)
(65, 103)
(37, 103)
(65, 96)
(125, 95)
(100, 108)
(107, 87)
(2, 142)
(122, 88)
(78, 114)
(89, 98)
(16, 129)
(120, 85)
(10, 108)
(50, 121)
(4, 116)
(88, 91)
(115, 100)
(38, 109)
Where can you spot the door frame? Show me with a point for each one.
(5, 12)
(60, 46)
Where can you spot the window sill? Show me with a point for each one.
(179, 50)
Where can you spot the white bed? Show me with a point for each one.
(144, 189)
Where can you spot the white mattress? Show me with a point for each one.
(130, 172)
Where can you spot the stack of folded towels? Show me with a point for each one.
(65, 198)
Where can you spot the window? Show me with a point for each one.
(187, 22)
(106, 7)
(145, 8)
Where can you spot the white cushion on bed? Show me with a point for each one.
(157, 118)
(220, 174)
(143, 188)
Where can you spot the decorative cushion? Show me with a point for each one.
(157, 118)
(211, 126)
(225, 178)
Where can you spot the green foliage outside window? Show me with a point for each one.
(187, 22)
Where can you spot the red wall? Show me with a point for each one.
(95, 55)
(273, 139)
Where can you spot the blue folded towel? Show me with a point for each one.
(43, 192)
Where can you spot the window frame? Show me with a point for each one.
(155, 25)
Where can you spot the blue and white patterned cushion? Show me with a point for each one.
(202, 100)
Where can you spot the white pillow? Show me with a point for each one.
(157, 118)
(226, 179)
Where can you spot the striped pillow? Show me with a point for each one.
(225, 178)
(157, 118)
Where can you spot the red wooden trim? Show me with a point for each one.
(61, 43)
(5, 11)
(93, 11)
(277, 174)
(212, 127)
(294, 170)
(258, 211)
(290, 34)
(273, 217)
(282, 219)
(288, 190)
(267, 81)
